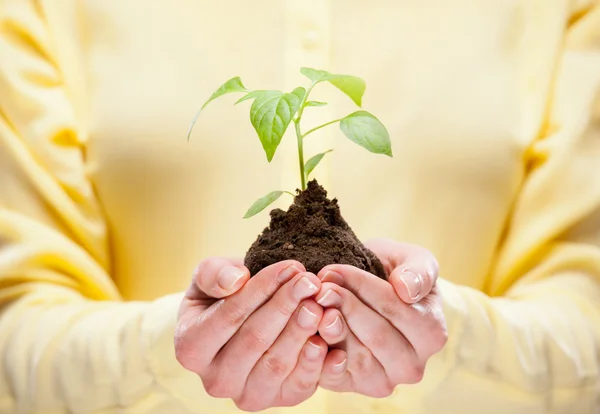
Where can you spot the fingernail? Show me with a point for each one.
(304, 288)
(330, 299)
(312, 351)
(335, 327)
(287, 273)
(306, 318)
(334, 277)
(229, 276)
(341, 367)
(412, 283)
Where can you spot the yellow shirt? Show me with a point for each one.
(494, 112)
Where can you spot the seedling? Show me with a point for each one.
(272, 112)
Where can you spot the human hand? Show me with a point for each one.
(252, 340)
(383, 332)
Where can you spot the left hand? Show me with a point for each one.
(381, 332)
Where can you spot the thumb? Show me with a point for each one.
(413, 281)
(413, 269)
(213, 279)
(218, 277)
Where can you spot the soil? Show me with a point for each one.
(312, 232)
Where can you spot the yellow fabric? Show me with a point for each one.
(494, 112)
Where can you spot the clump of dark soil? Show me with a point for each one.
(312, 232)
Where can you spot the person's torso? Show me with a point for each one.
(462, 92)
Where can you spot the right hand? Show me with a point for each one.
(252, 340)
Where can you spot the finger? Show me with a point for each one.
(413, 269)
(217, 277)
(268, 375)
(199, 295)
(200, 335)
(422, 323)
(378, 335)
(333, 328)
(302, 383)
(374, 292)
(364, 373)
(411, 284)
(335, 375)
(262, 328)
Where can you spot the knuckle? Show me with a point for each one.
(389, 306)
(253, 341)
(276, 365)
(182, 356)
(185, 353)
(333, 382)
(377, 339)
(414, 373)
(217, 388)
(383, 391)
(305, 386)
(439, 339)
(437, 334)
(233, 316)
(361, 362)
(250, 403)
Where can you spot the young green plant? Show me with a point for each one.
(272, 112)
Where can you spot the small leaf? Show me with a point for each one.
(232, 85)
(249, 95)
(315, 103)
(313, 162)
(270, 114)
(367, 131)
(352, 86)
(299, 92)
(262, 203)
(314, 75)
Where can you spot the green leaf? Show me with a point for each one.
(232, 85)
(314, 75)
(315, 103)
(270, 114)
(249, 95)
(262, 203)
(367, 131)
(313, 162)
(352, 86)
(299, 92)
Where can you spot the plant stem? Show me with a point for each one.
(321, 126)
(301, 155)
(300, 138)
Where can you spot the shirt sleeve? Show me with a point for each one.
(532, 344)
(67, 341)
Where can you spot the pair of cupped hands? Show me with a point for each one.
(272, 339)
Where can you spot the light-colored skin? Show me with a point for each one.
(255, 340)
(385, 333)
